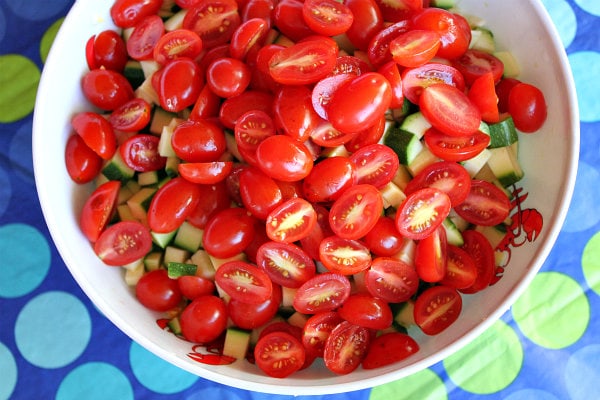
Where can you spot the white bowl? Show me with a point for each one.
(549, 158)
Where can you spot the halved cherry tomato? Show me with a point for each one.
(455, 148)
(132, 116)
(485, 205)
(177, 43)
(391, 72)
(248, 36)
(106, 50)
(483, 94)
(415, 80)
(279, 354)
(228, 77)
(284, 158)
(384, 239)
(198, 141)
(398, 9)
(324, 134)
(303, 63)
(259, 192)
(415, 47)
(172, 204)
(234, 107)
(375, 164)
(249, 316)
(228, 232)
(294, 113)
(106, 89)
(431, 256)
(140, 153)
(454, 30)
(503, 89)
(83, 164)
(365, 137)
(291, 221)
(324, 89)
(317, 329)
(527, 106)
(391, 279)
(344, 256)
(480, 249)
(449, 110)
(356, 211)
(327, 17)
(436, 308)
(207, 105)
(346, 347)
(328, 179)
(389, 348)
(204, 319)
(244, 282)
(213, 20)
(192, 286)
(449, 177)
(286, 264)
(323, 292)
(252, 128)
(156, 291)
(475, 63)
(367, 22)
(378, 49)
(145, 37)
(367, 311)
(422, 212)
(127, 13)
(179, 84)
(288, 19)
(214, 198)
(98, 209)
(123, 243)
(205, 173)
(96, 132)
(461, 270)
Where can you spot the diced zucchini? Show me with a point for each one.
(153, 260)
(116, 169)
(401, 177)
(503, 133)
(405, 144)
(422, 160)
(453, 235)
(407, 252)
(392, 195)
(283, 40)
(175, 254)
(298, 319)
(256, 332)
(147, 178)
(494, 234)
(475, 164)
(188, 237)
(160, 119)
(139, 203)
(459, 222)
(482, 39)
(149, 67)
(505, 165)
(146, 91)
(403, 314)
(340, 151)
(176, 20)
(162, 240)
(125, 192)
(177, 269)
(175, 325)
(445, 4)
(511, 66)
(288, 294)
(165, 148)
(204, 264)
(133, 272)
(171, 168)
(217, 262)
(415, 123)
(134, 73)
(237, 342)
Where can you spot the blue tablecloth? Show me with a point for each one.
(55, 344)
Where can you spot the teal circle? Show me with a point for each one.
(586, 68)
(157, 374)
(53, 329)
(590, 6)
(564, 19)
(95, 381)
(24, 246)
(8, 377)
(582, 373)
(6, 192)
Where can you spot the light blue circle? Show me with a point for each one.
(30, 10)
(53, 329)
(6, 192)
(8, 377)
(20, 153)
(157, 374)
(586, 68)
(564, 19)
(590, 6)
(95, 381)
(529, 394)
(582, 373)
(584, 211)
(23, 246)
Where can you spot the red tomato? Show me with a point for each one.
(527, 106)
(346, 347)
(244, 282)
(454, 30)
(415, 47)
(436, 308)
(391, 72)
(449, 177)
(316, 330)
(366, 23)
(234, 107)
(294, 113)
(213, 20)
(206, 173)
(328, 179)
(172, 204)
(250, 316)
(350, 65)
(261, 9)
(127, 13)
(192, 286)
(123, 243)
(415, 80)
(344, 256)
(132, 116)
(397, 9)
(483, 94)
(106, 89)
(284, 158)
(207, 105)
(98, 209)
(367, 311)
(83, 164)
(250, 129)
(324, 134)
(214, 198)
(449, 110)
(455, 148)
(323, 292)
(422, 212)
(320, 231)
(260, 193)
(228, 232)
(476, 63)
(324, 89)
(304, 62)
(485, 205)
(480, 249)
(378, 49)
(291, 221)
(198, 141)
(327, 17)
(503, 89)
(156, 291)
(179, 84)
(391, 280)
(228, 77)
(285, 263)
(204, 319)
(360, 103)
(365, 137)
(375, 164)
(384, 239)
(289, 20)
(140, 153)
(96, 132)
(461, 270)
(248, 36)
(431, 256)
(107, 51)
(356, 211)
(145, 37)
(177, 43)
(279, 354)
(389, 348)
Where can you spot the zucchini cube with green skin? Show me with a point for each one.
(189, 237)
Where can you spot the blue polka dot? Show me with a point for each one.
(564, 19)
(157, 374)
(6, 192)
(2, 25)
(53, 329)
(95, 381)
(582, 373)
(20, 153)
(585, 208)
(586, 68)
(30, 9)
(591, 6)
(528, 394)
(8, 377)
(23, 246)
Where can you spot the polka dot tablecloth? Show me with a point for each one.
(55, 344)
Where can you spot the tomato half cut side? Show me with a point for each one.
(461, 270)
(303, 63)
(317, 330)
(177, 43)
(391, 279)
(455, 148)
(279, 354)
(98, 209)
(327, 17)
(346, 347)
(436, 308)
(132, 116)
(285, 263)
(344, 256)
(476, 63)
(422, 212)
(244, 282)
(449, 177)
(323, 292)
(414, 80)
(144, 37)
(123, 243)
(485, 205)
(356, 211)
(389, 348)
(375, 164)
(140, 152)
(291, 221)
(415, 47)
(214, 21)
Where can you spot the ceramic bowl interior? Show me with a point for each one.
(549, 159)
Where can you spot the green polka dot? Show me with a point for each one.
(489, 363)
(425, 384)
(48, 39)
(19, 81)
(553, 312)
(590, 262)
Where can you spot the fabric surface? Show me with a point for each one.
(55, 344)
